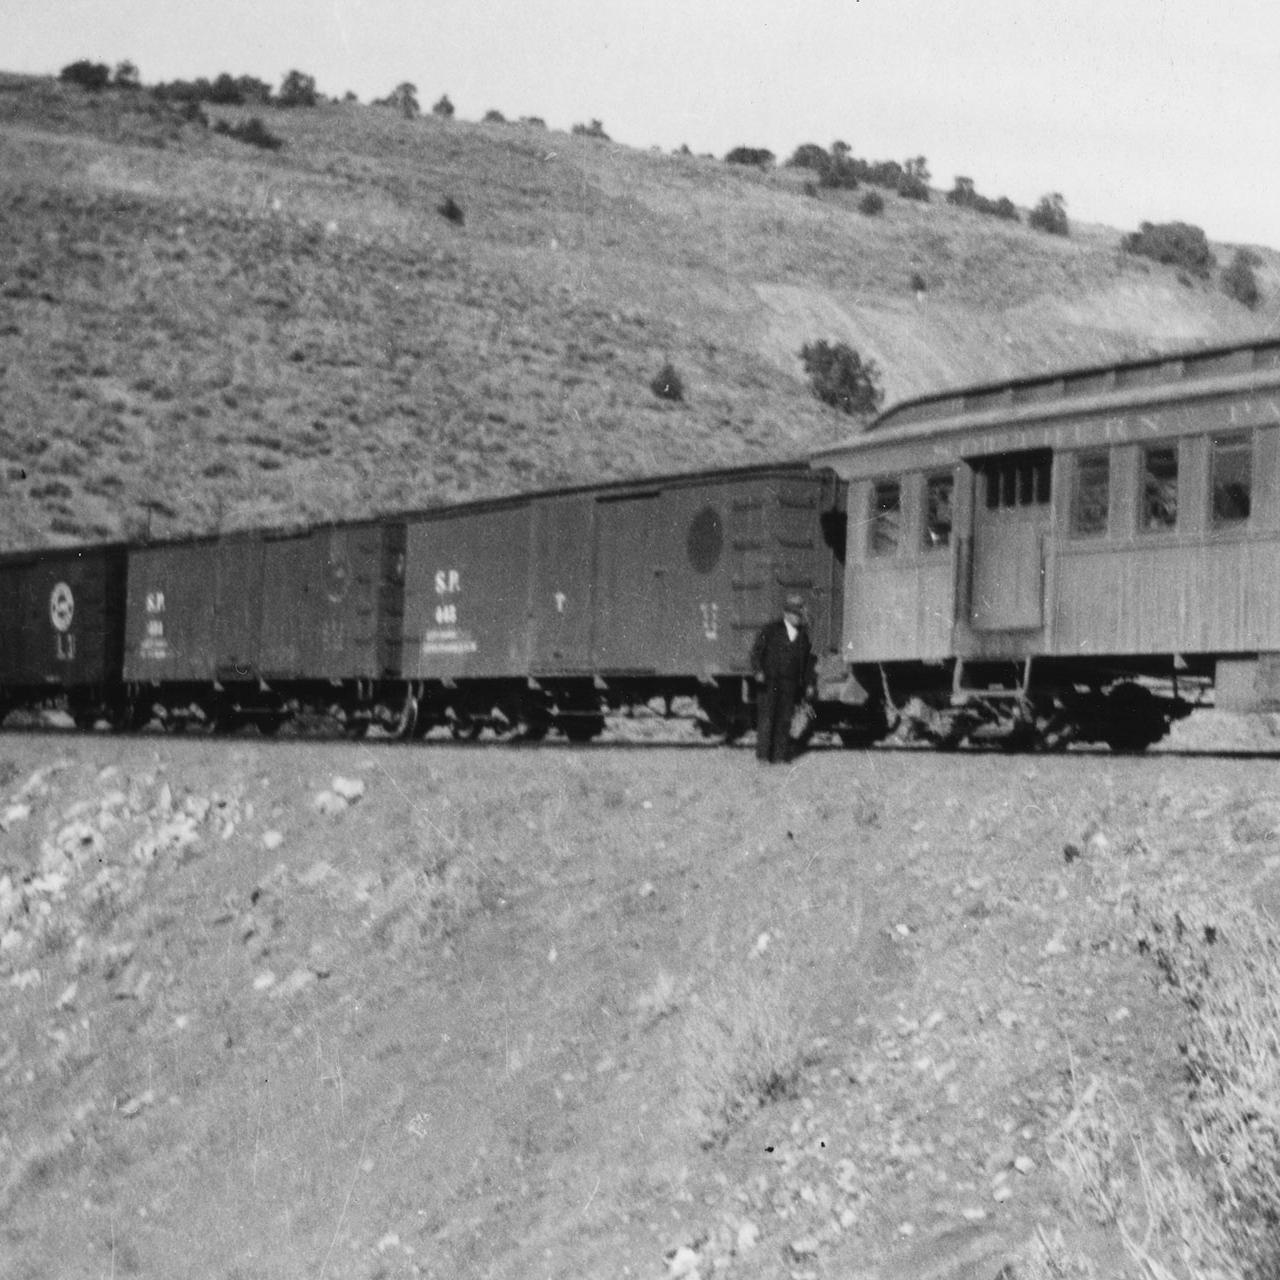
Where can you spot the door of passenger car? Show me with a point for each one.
(1011, 517)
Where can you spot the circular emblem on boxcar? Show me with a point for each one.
(706, 540)
(62, 607)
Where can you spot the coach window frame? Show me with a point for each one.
(878, 518)
(929, 541)
(1219, 443)
(1146, 528)
(1075, 527)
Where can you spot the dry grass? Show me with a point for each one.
(1223, 959)
(1199, 1199)
(745, 1041)
(1121, 1160)
(1047, 1257)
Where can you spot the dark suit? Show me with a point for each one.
(782, 667)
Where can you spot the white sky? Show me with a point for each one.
(1133, 109)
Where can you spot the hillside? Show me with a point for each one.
(195, 333)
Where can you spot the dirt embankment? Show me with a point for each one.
(284, 1009)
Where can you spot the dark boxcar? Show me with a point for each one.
(194, 610)
(62, 626)
(333, 602)
(550, 608)
(689, 568)
(665, 577)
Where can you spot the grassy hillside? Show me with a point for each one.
(196, 333)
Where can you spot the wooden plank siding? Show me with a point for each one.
(1206, 598)
(895, 610)
(898, 605)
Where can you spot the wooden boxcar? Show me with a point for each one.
(62, 629)
(255, 625)
(548, 610)
(1070, 556)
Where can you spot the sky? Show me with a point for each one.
(1133, 110)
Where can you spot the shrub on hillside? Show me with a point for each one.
(493, 116)
(835, 168)
(913, 189)
(404, 99)
(965, 195)
(668, 385)
(1175, 244)
(297, 90)
(809, 156)
(225, 91)
(252, 131)
(840, 377)
(760, 157)
(1239, 281)
(1050, 215)
(840, 170)
(593, 130)
(914, 182)
(451, 211)
(881, 173)
(126, 76)
(443, 109)
(872, 204)
(93, 76)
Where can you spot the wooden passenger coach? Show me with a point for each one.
(1071, 555)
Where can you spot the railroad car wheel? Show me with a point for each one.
(1134, 718)
(355, 727)
(582, 728)
(270, 725)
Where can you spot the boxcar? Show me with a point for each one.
(1081, 555)
(62, 630)
(550, 609)
(256, 625)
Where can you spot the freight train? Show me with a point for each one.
(1082, 556)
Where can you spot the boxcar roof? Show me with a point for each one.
(603, 488)
(615, 488)
(1177, 376)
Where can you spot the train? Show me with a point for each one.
(1083, 556)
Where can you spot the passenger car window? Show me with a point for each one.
(1159, 509)
(1231, 479)
(937, 511)
(1018, 480)
(1092, 494)
(886, 517)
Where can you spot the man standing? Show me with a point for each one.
(780, 660)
